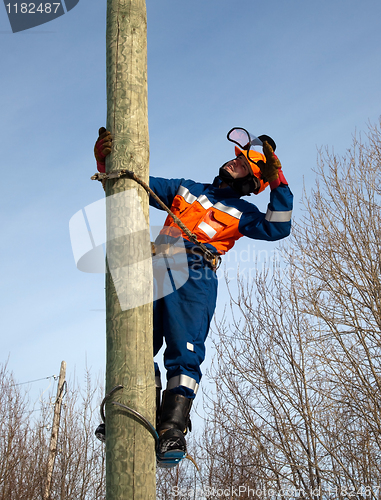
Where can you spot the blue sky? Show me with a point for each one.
(306, 73)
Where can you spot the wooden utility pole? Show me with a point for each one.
(130, 453)
(55, 429)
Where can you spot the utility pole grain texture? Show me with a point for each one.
(130, 453)
(55, 430)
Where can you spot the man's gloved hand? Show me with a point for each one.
(102, 148)
(272, 169)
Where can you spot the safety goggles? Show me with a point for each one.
(245, 140)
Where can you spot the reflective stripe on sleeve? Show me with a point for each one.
(184, 193)
(183, 380)
(278, 216)
(204, 202)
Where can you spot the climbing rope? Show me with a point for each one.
(213, 259)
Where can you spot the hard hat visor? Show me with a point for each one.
(245, 140)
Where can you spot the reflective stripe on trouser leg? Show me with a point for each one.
(183, 380)
(158, 383)
(157, 376)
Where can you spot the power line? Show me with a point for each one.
(37, 380)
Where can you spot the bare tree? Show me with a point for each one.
(80, 466)
(24, 444)
(339, 258)
(14, 433)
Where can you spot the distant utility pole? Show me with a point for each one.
(130, 453)
(55, 429)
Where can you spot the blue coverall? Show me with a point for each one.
(183, 317)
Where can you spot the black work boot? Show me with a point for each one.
(174, 422)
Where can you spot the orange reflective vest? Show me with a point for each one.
(215, 224)
(219, 217)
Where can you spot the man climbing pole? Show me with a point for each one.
(217, 217)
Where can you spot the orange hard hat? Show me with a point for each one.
(254, 156)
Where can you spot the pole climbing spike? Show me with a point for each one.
(100, 431)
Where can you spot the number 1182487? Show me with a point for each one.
(33, 8)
